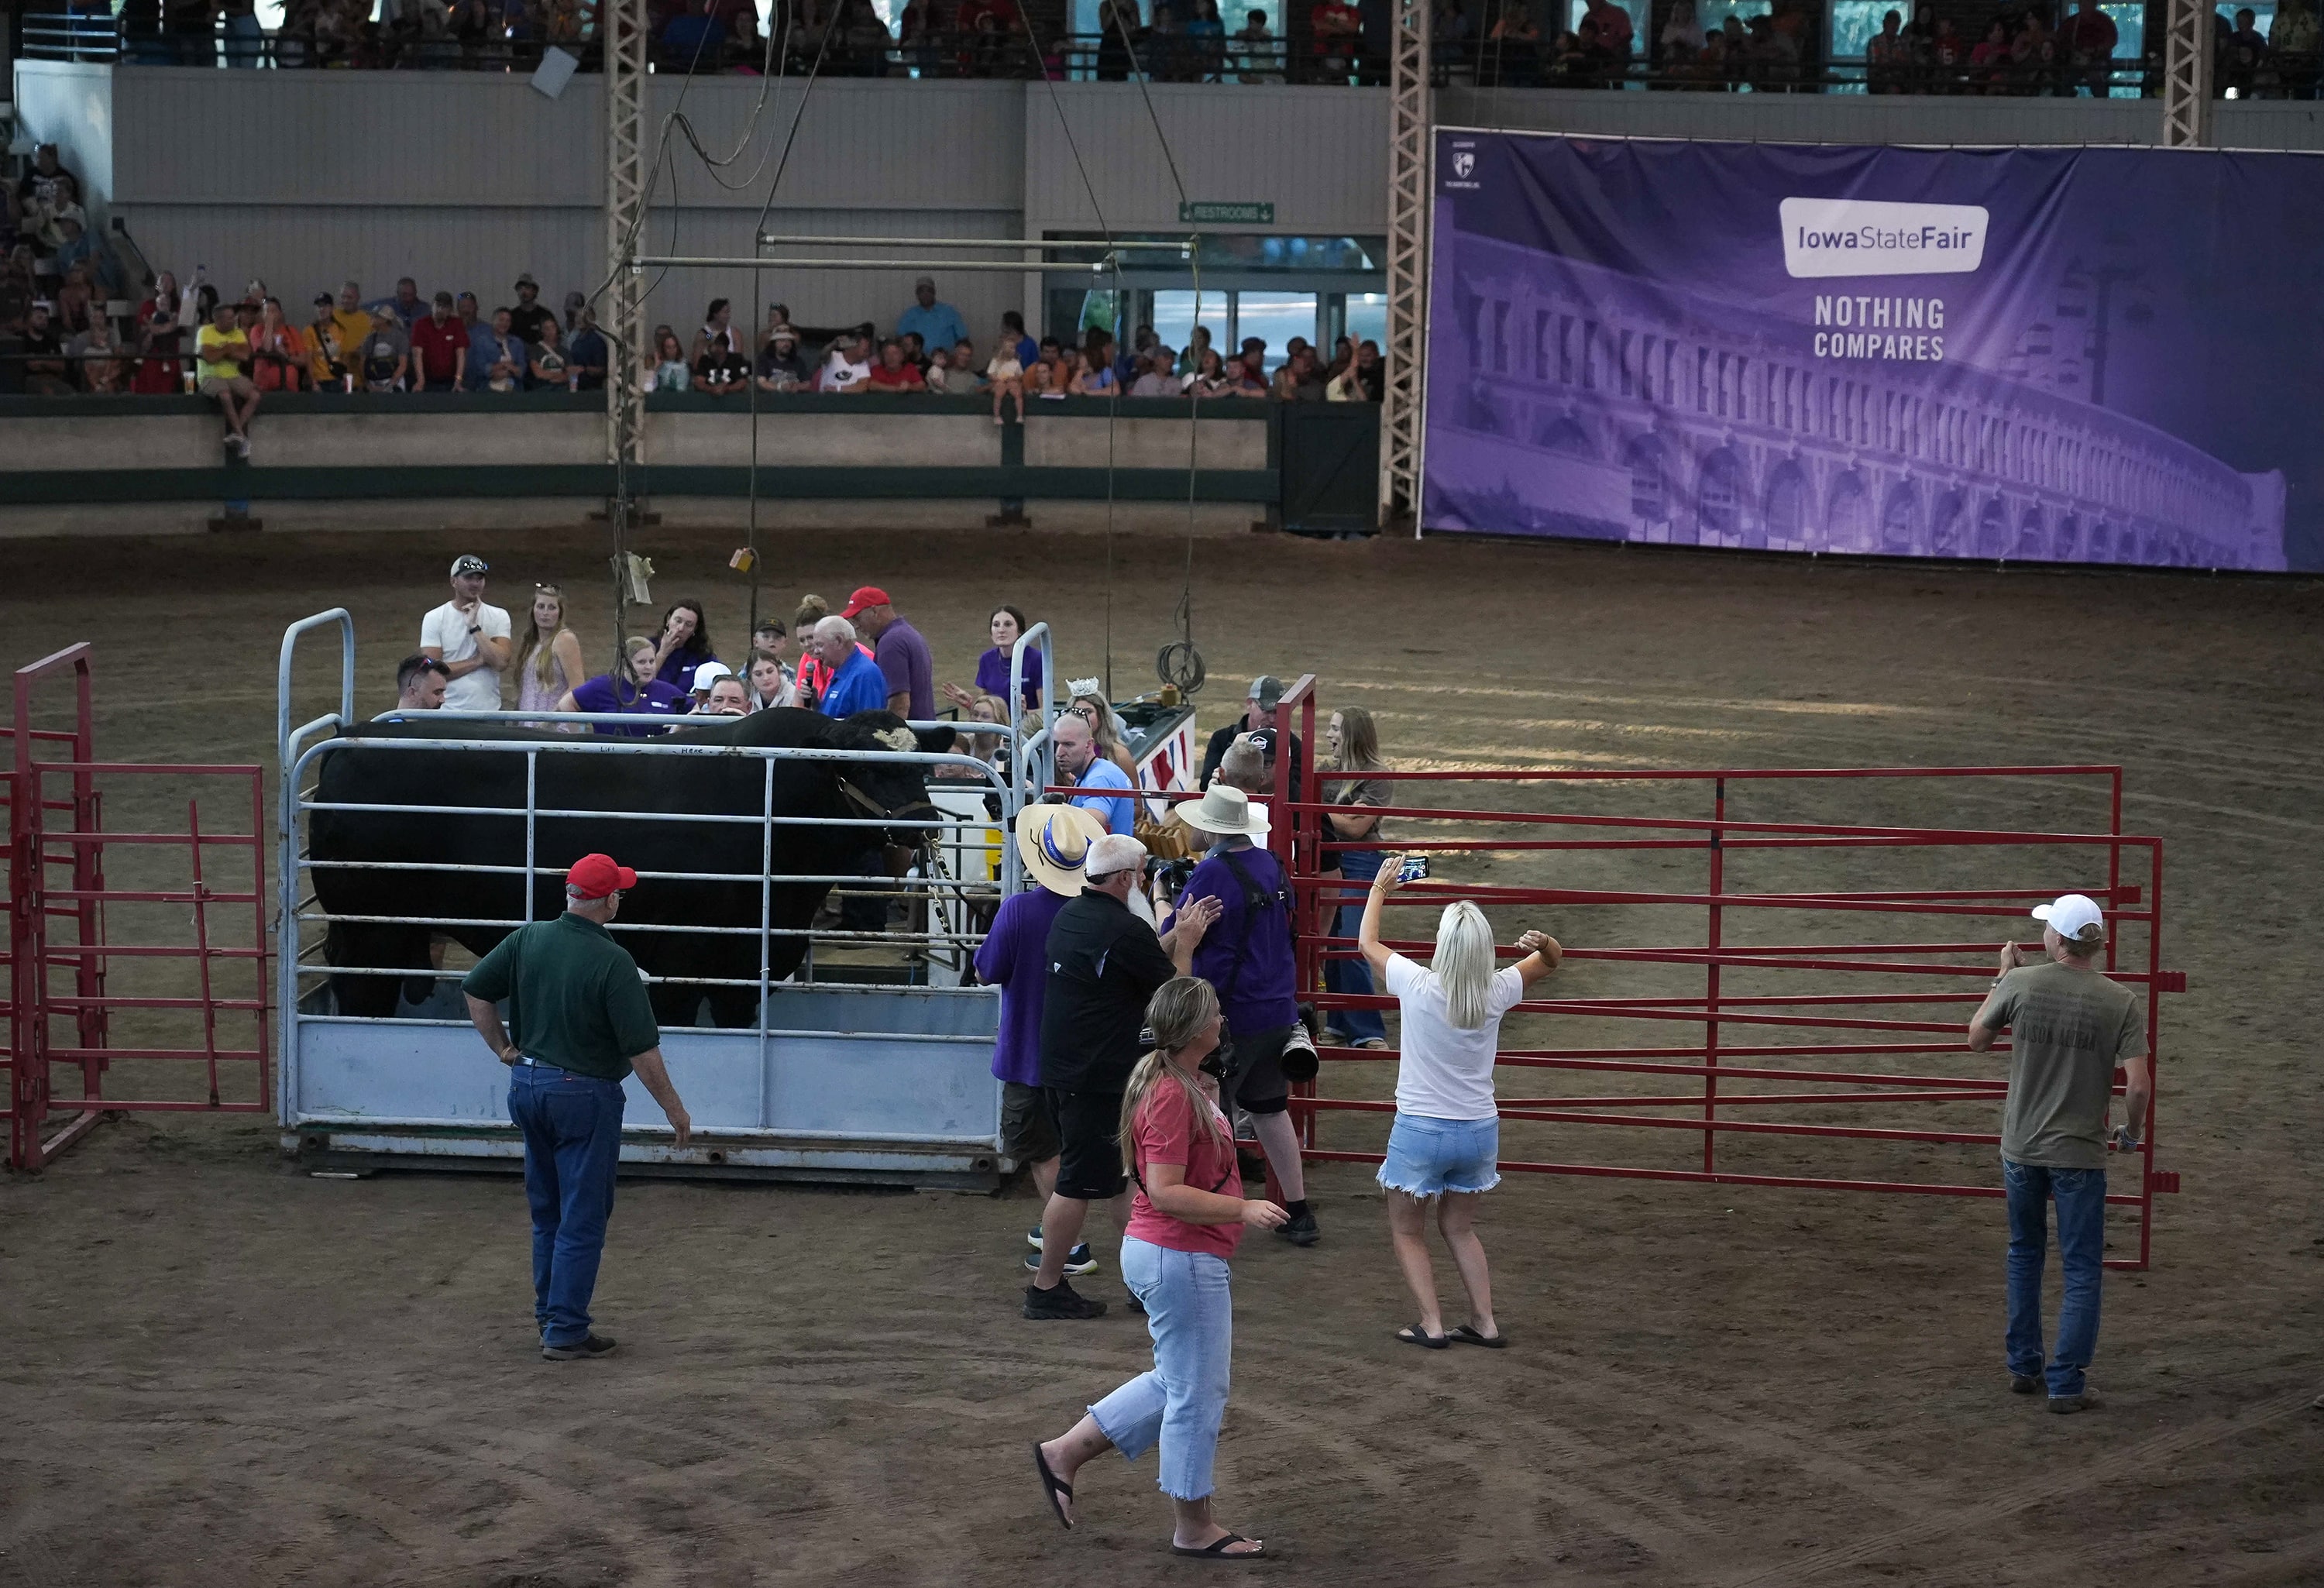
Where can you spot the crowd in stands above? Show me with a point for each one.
(179, 339)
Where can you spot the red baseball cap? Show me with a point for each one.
(594, 876)
(868, 596)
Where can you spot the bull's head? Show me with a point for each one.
(896, 790)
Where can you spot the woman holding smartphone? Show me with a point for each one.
(1184, 1222)
(1446, 1141)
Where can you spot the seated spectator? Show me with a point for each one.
(221, 350)
(1158, 381)
(1255, 50)
(728, 696)
(103, 371)
(1989, 61)
(529, 312)
(587, 356)
(1198, 342)
(471, 317)
(937, 325)
(545, 360)
(352, 323)
(386, 355)
(1006, 376)
(1013, 339)
(670, 372)
(915, 353)
(1334, 26)
(1095, 377)
(893, 373)
(575, 302)
(46, 373)
(497, 361)
(279, 352)
(1244, 374)
(440, 348)
(849, 365)
(717, 321)
(1086, 700)
(693, 40)
(625, 693)
(721, 371)
(939, 370)
(327, 362)
(2246, 53)
(405, 305)
(39, 184)
(77, 247)
(781, 367)
(1209, 378)
(73, 303)
(1884, 58)
(771, 682)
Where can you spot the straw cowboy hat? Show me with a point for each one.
(1224, 808)
(1053, 840)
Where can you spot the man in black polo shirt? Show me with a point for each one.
(1104, 963)
(583, 1023)
(1257, 713)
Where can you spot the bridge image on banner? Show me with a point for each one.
(1566, 399)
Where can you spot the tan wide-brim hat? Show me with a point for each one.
(1225, 809)
(1052, 841)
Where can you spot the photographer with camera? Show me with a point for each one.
(1248, 957)
(1445, 1144)
(1104, 964)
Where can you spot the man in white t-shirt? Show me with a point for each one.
(850, 363)
(471, 640)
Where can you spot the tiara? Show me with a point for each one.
(1077, 688)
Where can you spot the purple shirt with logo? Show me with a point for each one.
(1012, 959)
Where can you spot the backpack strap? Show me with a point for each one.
(1255, 900)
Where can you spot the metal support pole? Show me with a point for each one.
(1409, 115)
(622, 24)
(2187, 46)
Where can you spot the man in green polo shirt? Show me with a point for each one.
(583, 1023)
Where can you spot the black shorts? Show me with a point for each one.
(1029, 1133)
(1088, 1123)
(1256, 1085)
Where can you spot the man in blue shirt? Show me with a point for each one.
(1079, 762)
(939, 325)
(857, 684)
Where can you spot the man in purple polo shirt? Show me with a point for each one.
(902, 655)
(1052, 841)
(1248, 957)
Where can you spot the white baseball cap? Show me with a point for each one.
(710, 672)
(2072, 916)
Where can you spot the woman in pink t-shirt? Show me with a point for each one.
(1184, 1222)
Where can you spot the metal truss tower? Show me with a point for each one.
(1409, 116)
(622, 27)
(2187, 48)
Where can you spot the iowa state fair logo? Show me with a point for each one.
(1869, 237)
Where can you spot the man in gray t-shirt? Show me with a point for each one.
(2068, 1027)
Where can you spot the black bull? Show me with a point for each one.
(824, 791)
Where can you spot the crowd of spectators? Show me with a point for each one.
(239, 350)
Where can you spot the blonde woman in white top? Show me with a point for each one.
(1446, 1140)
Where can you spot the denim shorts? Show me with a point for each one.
(1426, 1157)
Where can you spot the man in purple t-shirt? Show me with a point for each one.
(1052, 841)
(1248, 957)
(902, 654)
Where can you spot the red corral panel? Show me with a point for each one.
(144, 989)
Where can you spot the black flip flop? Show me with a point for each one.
(1467, 1335)
(1052, 1487)
(1413, 1335)
(1218, 1551)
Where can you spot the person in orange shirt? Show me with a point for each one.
(814, 674)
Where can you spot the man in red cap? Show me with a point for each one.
(902, 655)
(582, 1024)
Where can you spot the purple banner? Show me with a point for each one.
(2103, 356)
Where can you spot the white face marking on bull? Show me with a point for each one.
(898, 739)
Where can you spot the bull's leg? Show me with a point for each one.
(379, 945)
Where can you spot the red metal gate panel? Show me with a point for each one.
(114, 991)
(1863, 1016)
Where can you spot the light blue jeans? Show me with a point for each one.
(2080, 1198)
(1190, 1313)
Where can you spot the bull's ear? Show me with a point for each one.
(935, 741)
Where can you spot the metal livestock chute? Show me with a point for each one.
(869, 1062)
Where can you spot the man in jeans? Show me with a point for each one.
(582, 1024)
(2068, 1027)
(1104, 964)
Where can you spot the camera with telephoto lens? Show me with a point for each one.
(1218, 1064)
(1171, 873)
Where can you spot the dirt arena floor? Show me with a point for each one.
(218, 1370)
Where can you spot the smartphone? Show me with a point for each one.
(1415, 867)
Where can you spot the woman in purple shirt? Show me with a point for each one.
(684, 645)
(1008, 625)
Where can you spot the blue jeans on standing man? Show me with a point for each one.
(1359, 867)
(2081, 1196)
(572, 1127)
(1180, 1403)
